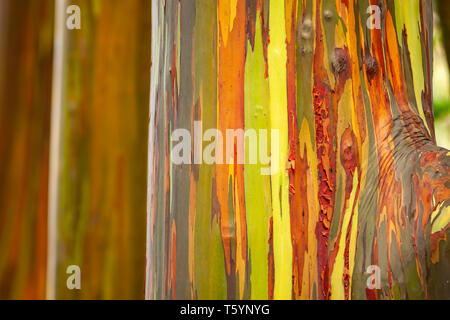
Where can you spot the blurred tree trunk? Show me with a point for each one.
(98, 213)
(25, 90)
(361, 184)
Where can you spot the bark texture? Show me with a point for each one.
(361, 183)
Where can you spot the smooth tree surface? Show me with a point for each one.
(73, 147)
(26, 43)
(362, 184)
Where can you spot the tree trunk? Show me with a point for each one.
(25, 91)
(360, 183)
(443, 8)
(99, 150)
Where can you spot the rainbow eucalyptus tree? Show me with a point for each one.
(358, 190)
(73, 147)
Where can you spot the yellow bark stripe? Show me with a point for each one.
(277, 57)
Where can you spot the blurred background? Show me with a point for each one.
(441, 77)
(101, 180)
